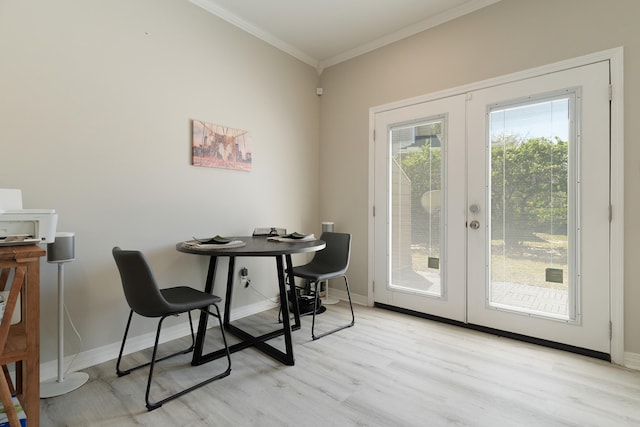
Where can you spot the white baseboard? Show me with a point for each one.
(342, 295)
(109, 352)
(632, 361)
(85, 359)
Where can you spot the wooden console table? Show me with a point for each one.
(23, 341)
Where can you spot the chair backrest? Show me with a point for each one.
(139, 284)
(336, 255)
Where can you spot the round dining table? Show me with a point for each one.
(251, 246)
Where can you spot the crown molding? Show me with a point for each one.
(406, 32)
(224, 14)
(321, 64)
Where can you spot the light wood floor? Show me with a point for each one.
(388, 370)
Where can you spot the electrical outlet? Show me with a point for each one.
(244, 277)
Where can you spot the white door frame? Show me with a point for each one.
(616, 254)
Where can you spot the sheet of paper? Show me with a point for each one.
(10, 199)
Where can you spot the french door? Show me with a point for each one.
(492, 207)
(419, 223)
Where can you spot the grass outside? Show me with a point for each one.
(524, 263)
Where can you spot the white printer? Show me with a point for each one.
(24, 226)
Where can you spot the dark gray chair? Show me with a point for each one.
(330, 263)
(146, 299)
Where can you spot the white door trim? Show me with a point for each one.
(616, 274)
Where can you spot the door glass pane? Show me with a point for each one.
(530, 266)
(416, 206)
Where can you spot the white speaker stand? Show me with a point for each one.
(62, 385)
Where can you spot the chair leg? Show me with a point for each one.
(154, 405)
(124, 339)
(293, 301)
(315, 307)
(122, 373)
(316, 300)
(224, 340)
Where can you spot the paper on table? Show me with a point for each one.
(194, 244)
(213, 240)
(293, 237)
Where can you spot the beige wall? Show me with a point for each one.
(95, 103)
(96, 99)
(509, 36)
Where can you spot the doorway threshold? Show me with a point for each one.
(505, 334)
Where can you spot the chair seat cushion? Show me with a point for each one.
(316, 273)
(184, 298)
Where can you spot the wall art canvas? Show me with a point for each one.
(217, 146)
